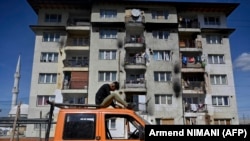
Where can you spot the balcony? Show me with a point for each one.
(132, 19)
(78, 42)
(72, 21)
(195, 62)
(75, 84)
(136, 83)
(139, 60)
(134, 39)
(75, 63)
(193, 87)
(188, 43)
(195, 108)
(135, 62)
(188, 22)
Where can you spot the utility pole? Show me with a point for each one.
(15, 122)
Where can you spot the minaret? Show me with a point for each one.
(15, 89)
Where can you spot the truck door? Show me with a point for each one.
(120, 127)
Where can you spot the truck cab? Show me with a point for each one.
(91, 122)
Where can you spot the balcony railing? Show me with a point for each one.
(78, 22)
(78, 42)
(193, 108)
(190, 43)
(132, 19)
(135, 83)
(193, 85)
(76, 63)
(140, 60)
(75, 84)
(192, 62)
(134, 39)
(188, 23)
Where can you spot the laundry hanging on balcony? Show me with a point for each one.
(184, 60)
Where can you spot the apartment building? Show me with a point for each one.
(172, 59)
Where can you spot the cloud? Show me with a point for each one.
(243, 62)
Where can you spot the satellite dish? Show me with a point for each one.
(135, 12)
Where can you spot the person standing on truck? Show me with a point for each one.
(104, 98)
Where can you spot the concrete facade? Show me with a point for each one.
(86, 44)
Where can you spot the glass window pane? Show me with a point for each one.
(156, 76)
(214, 101)
(223, 79)
(163, 99)
(113, 76)
(225, 99)
(157, 99)
(217, 79)
(219, 100)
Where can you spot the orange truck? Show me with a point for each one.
(91, 122)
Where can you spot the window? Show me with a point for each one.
(42, 99)
(127, 127)
(162, 76)
(216, 59)
(49, 57)
(107, 76)
(108, 13)
(108, 34)
(163, 99)
(163, 55)
(53, 18)
(212, 20)
(79, 126)
(222, 121)
(160, 14)
(220, 100)
(218, 79)
(48, 78)
(214, 39)
(51, 37)
(160, 34)
(107, 54)
(111, 124)
(79, 41)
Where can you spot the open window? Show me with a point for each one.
(123, 127)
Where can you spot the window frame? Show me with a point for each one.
(220, 101)
(53, 18)
(49, 57)
(158, 75)
(108, 33)
(102, 76)
(49, 78)
(211, 20)
(51, 37)
(74, 126)
(218, 79)
(44, 99)
(107, 54)
(108, 13)
(161, 55)
(159, 14)
(163, 99)
(214, 39)
(160, 34)
(216, 59)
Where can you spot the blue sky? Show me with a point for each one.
(17, 38)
